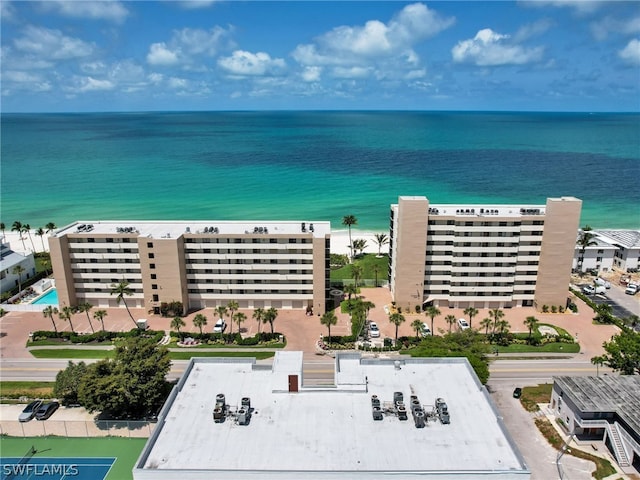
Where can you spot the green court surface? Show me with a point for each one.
(125, 450)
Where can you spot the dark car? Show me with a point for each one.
(30, 411)
(46, 410)
(517, 393)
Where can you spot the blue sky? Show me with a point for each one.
(553, 55)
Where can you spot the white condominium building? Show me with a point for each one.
(485, 256)
(201, 264)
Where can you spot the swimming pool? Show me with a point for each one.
(49, 298)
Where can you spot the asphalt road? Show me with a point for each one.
(622, 305)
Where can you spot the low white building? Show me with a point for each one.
(269, 425)
(9, 260)
(618, 249)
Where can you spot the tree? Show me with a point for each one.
(356, 273)
(40, 233)
(199, 321)
(2, 228)
(26, 228)
(350, 289)
(497, 315)
(350, 220)
(270, 316)
(99, 315)
(486, 323)
(131, 385)
(177, 323)
(471, 312)
(329, 318)
(239, 317)
(66, 314)
(451, 320)
(376, 271)
(48, 312)
(121, 290)
(585, 239)
(623, 352)
(258, 315)
(432, 312)
(598, 361)
(604, 313)
(380, 239)
(68, 383)
(221, 311)
(17, 227)
(50, 227)
(232, 307)
(86, 308)
(531, 323)
(18, 270)
(359, 244)
(417, 326)
(397, 319)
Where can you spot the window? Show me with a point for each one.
(154, 286)
(152, 255)
(152, 266)
(149, 244)
(156, 298)
(153, 276)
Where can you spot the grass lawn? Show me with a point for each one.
(125, 450)
(532, 396)
(26, 389)
(99, 354)
(555, 347)
(367, 262)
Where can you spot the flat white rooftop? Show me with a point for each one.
(174, 229)
(329, 432)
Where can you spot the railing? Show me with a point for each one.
(78, 428)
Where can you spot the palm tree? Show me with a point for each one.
(40, 233)
(258, 315)
(356, 273)
(99, 315)
(397, 319)
(604, 312)
(232, 307)
(470, 312)
(65, 314)
(531, 323)
(18, 270)
(50, 227)
(380, 240)
(486, 323)
(26, 228)
(121, 290)
(451, 320)
(270, 316)
(239, 317)
(221, 311)
(503, 327)
(586, 239)
(417, 326)
(329, 318)
(350, 220)
(17, 227)
(359, 244)
(376, 270)
(177, 323)
(2, 228)
(497, 315)
(86, 308)
(598, 361)
(48, 312)
(432, 312)
(200, 321)
(350, 289)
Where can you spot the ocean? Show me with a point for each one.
(312, 165)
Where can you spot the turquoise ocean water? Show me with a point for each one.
(312, 165)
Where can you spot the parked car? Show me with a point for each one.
(220, 326)
(46, 410)
(602, 282)
(425, 330)
(30, 411)
(631, 289)
(374, 331)
(463, 324)
(517, 393)
(588, 290)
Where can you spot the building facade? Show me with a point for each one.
(11, 278)
(602, 408)
(485, 256)
(201, 264)
(619, 249)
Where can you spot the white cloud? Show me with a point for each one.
(489, 48)
(159, 54)
(194, 4)
(90, 84)
(532, 30)
(51, 44)
(155, 78)
(311, 74)
(374, 41)
(108, 10)
(350, 72)
(631, 53)
(246, 63)
(601, 28)
(7, 11)
(581, 7)
(175, 82)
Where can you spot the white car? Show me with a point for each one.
(463, 324)
(374, 331)
(588, 290)
(219, 326)
(631, 289)
(425, 331)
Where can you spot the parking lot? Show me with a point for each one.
(622, 305)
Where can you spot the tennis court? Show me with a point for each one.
(59, 458)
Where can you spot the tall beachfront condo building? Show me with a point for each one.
(484, 256)
(201, 264)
